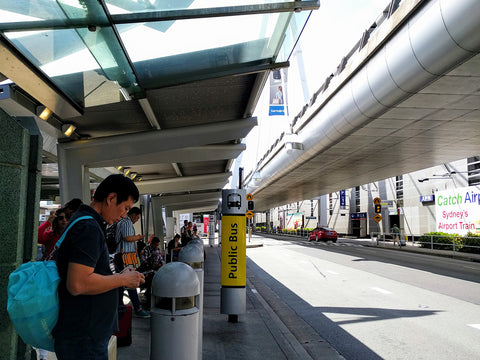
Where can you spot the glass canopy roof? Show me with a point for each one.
(129, 46)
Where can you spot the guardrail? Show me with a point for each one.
(467, 244)
(299, 232)
(457, 243)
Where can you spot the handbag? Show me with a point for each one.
(126, 259)
(33, 298)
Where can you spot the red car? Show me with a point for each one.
(323, 233)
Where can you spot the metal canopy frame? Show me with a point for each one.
(135, 107)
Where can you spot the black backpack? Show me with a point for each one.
(110, 238)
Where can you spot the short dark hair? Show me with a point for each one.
(134, 211)
(119, 184)
(73, 204)
(177, 236)
(155, 240)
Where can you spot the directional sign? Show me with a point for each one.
(377, 218)
(249, 197)
(249, 214)
(376, 201)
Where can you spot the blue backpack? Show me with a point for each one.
(33, 299)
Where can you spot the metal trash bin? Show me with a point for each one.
(193, 255)
(174, 313)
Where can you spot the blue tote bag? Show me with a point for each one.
(33, 299)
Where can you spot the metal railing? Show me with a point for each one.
(467, 244)
(298, 232)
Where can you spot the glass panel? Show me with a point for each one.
(73, 42)
(60, 54)
(295, 27)
(194, 45)
(128, 6)
(87, 63)
(26, 10)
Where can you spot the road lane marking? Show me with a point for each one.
(380, 290)
(476, 326)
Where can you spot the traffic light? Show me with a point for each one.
(378, 208)
(250, 205)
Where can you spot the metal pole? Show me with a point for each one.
(240, 177)
(233, 254)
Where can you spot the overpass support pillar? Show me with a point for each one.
(158, 223)
(323, 210)
(73, 175)
(267, 220)
(170, 223)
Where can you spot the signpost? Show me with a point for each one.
(233, 274)
(377, 218)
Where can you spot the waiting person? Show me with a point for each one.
(184, 228)
(88, 291)
(187, 235)
(173, 247)
(126, 240)
(152, 261)
(49, 233)
(396, 234)
(71, 207)
(153, 255)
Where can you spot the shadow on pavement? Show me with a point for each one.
(285, 303)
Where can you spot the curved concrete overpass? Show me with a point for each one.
(409, 99)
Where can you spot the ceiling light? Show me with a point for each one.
(43, 112)
(68, 129)
(133, 175)
(127, 171)
(119, 168)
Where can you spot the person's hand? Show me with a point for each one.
(51, 217)
(132, 279)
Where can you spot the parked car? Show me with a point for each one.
(323, 233)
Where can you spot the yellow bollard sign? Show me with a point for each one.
(234, 251)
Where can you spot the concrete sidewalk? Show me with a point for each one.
(260, 334)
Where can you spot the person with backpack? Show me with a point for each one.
(88, 290)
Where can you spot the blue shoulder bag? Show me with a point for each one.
(33, 299)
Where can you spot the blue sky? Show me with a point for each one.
(330, 34)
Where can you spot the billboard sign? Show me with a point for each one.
(278, 96)
(458, 210)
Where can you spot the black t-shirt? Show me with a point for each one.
(86, 315)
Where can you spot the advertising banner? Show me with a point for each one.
(294, 221)
(458, 210)
(205, 224)
(278, 96)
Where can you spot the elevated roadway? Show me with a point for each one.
(406, 99)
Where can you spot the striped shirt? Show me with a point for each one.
(125, 228)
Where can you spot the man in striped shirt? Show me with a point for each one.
(127, 243)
